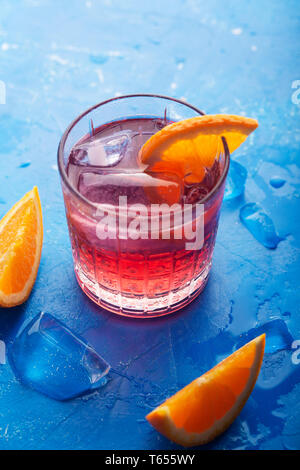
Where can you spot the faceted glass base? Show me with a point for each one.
(141, 306)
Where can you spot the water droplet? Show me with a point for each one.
(260, 225)
(277, 182)
(25, 165)
(236, 179)
(99, 59)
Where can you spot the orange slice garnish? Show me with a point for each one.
(21, 239)
(188, 147)
(207, 406)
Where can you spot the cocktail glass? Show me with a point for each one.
(134, 272)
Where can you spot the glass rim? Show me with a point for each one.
(61, 146)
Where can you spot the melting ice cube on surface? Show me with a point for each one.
(259, 224)
(277, 364)
(51, 359)
(235, 182)
(278, 336)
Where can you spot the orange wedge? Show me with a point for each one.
(188, 147)
(21, 238)
(207, 406)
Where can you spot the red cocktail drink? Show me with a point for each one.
(142, 241)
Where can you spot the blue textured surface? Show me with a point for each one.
(235, 57)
